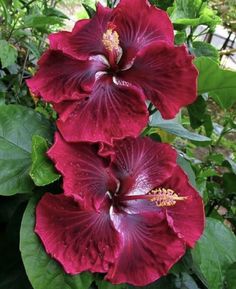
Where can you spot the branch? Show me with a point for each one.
(228, 51)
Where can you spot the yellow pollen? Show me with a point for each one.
(110, 40)
(165, 197)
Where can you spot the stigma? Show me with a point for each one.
(110, 40)
(160, 196)
(164, 197)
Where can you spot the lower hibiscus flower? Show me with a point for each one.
(131, 218)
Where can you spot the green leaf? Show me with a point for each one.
(17, 126)
(205, 49)
(41, 21)
(218, 82)
(180, 37)
(12, 273)
(230, 164)
(231, 277)
(186, 9)
(197, 112)
(229, 183)
(172, 126)
(8, 53)
(194, 13)
(42, 170)
(43, 272)
(102, 284)
(90, 11)
(198, 115)
(215, 252)
(185, 165)
(185, 281)
(162, 4)
(6, 13)
(54, 12)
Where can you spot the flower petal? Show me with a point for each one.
(149, 248)
(186, 217)
(171, 81)
(153, 24)
(61, 77)
(108, 114)
(142, 164)
(60, 40)
(86, 175)
(86, 37)
(80, 240)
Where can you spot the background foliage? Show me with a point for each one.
(203, 134)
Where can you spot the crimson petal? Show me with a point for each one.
(80, 240)
(60, 40)
(153, 24)
(107, 114)
(62, 77)
(142, 164)
(149, 247)
(186, 217)
(86, 175)
(171, 81)
(86, 37)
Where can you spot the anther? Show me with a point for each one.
(164, 197)
(110, 40)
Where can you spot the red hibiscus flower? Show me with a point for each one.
(99, 75)
(130, 218)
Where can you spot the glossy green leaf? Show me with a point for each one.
(44, 272)
(194, 13)
(174, 127)
(90, 11)
(102, 284)
(186, 9)
(230, 164)
(180, 37)
(17, 126)
(8, 53)
(218, 82)
(41, 21)
(215, 252)
(185, 165)
(200, 48)
(199, 117)
(42, 170)
(231, 277)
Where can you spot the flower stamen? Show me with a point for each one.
(164, 197)
(160, 196)
(110, 40)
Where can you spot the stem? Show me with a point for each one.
(228, 51)
(13, 28)
(23, 68)
(152, 111)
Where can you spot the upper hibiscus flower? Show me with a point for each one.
(99, 75)
(131, 217)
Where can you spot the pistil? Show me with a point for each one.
(110, 40)
(160, 196)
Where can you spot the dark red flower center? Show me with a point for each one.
(112, 59)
